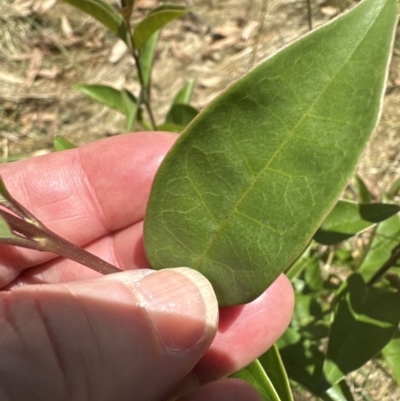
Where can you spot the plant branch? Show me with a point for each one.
(29, 232)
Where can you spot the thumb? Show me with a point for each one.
(130, 335)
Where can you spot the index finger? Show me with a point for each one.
(84, 193)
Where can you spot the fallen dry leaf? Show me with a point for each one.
(22, 8)
(33, 67)
(223, 44)
(329, 11)
(144, 5)
(178, 53)
(249, 30)
(230, 28)
(118, 51)
(66, 27)
(210, 82)
(42, 6)
(25, 8)
(52, 73)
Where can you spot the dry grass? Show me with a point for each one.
(46, 47)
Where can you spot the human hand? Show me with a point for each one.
(134, 335)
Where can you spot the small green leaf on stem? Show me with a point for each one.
(365, 195)
(104, 94)
(146, 58)
(60, 143)
(365, 320)
(100, 10)
(131, 108)
(273, 366)
(394, 189)
(184, 96)
(181, 114)
(391, 354)
(157, 19)
(255, 375)
(347, 219)
(379, 251)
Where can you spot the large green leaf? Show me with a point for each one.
(365, 320)
(255, 375)
(102, 11)
(155, 21)
(348, 218)
(250, 180)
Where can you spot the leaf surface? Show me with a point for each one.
(385, 238)
(253, 176)
(184, 96)
(392, 356)
(365, 195)
(365, 320)
(100, 10)
(155, 21)
(181, 114)
(348, 218)
(255, 375)
(60, 143)
(146, 58)
(104, 94)
(272, 364)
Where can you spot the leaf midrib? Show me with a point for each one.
(278, 150)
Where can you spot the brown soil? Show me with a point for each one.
(47, 47)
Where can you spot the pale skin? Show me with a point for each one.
(135, 335)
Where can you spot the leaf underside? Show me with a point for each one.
(253, 176)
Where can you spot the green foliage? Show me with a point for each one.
(392, 356)
(141, 41)
(349, 218)
(256, 375)
(252, 185)
(102, 11)
(383, 240)
(364, 321)
(120, 100)
(60, 143)
(251, 178)
(158, 18)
